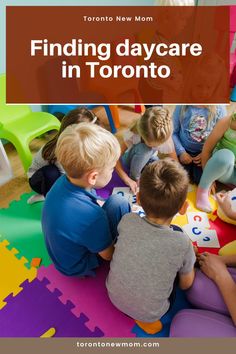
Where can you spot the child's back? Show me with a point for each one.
(145, 263)
(149, 253)
(75, 228)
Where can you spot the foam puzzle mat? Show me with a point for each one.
(35, 301)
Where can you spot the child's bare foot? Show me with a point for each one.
(202, 200)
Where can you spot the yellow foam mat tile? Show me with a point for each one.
(182, 220)
(12, 272)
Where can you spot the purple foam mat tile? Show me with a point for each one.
(115, 181)
(89, 296)
(35, 309)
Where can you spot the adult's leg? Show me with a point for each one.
(191, 323)
(221, 167)
(115, 207)
(43, 179)
(204, 293)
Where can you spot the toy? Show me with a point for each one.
(228, 249)
(221, 213)
(201, 323)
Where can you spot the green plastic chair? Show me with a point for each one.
(19, 125)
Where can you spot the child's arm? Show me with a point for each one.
(214, 267)
(119, 169)
(216, 134)
(107, 253)
(187, 273)
(173, 155)
(186, 280)
(227, 288)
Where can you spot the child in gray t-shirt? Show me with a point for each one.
(149, 254)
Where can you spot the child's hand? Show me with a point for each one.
(223, 201)
(185, 158)
(212, 265)
(198, 159)
(132, 184)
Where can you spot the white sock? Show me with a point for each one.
(35, 199)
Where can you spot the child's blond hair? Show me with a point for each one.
(155, 125)
(163, 188)
(84, 147)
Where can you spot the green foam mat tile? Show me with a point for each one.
(20, 224)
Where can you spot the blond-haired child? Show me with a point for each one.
(150, 134)
(149, 253)
(75, 227)
(45, 169)
(192, 125)
(218, 159)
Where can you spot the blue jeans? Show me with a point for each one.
(115, 207)
(136, 158)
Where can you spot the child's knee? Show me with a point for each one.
(117, 201)
(51, 172)
(224, 158)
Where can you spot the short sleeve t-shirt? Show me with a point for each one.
(75, 228)
(144, 266)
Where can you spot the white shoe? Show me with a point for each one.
(35, 199)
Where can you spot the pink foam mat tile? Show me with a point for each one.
(89, 296)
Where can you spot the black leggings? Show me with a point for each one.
(43, 179)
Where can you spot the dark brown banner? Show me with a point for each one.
(112, 54)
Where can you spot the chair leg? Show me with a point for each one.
(5, 167)
(24, 153)
(233, 94)
(109, 116)
(139, 108)
(115, 114)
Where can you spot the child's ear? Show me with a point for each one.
(92, 177)
(184, 208)
(138, 198)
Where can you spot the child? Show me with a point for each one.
(151, 132)
(78, 232)
(221, 165)
(45, 169)
(149, 254)
(192, 125)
